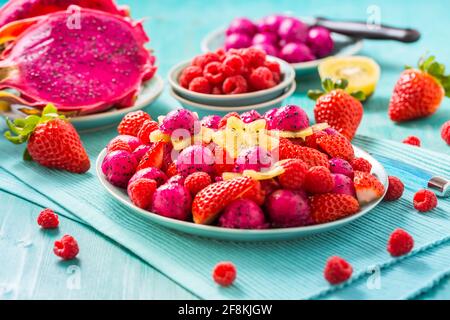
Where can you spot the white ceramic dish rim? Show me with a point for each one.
(355, 48)
(262, 105)
(186, 227)
(287, 79)
(158, 82)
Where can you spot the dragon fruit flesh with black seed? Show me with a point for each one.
(250, 116)
(289, 118)
(180, 119)
(118, 167)
(15, 10)
(173, 201)
(243, 214)
(343, 185)
(195, 158)
(149, 173)
(132, 142)
(84, 68)
(211, 121)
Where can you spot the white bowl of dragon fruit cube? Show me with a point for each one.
(291, 39)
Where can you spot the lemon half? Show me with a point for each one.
(362, 73)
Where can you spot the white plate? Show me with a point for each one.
(150, 91)
(236, 234)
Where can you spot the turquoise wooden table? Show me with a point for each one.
(107, 270)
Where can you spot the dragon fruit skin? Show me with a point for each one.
(211, 121)
(23, 9)
(81, 70)
(243, 214)
(288, 209)
(118, 167)
(341, 166)
(195, 158)
(250, 116)
(149, 173)
(133, 142)
(180, 119)
(289, 118)
(253, 158)
(320, 41)
(173, 201)
(343, 185)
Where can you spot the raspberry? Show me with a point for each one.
(445, 132)
(234, 65)
(273, 66)
(223, 121)
(202, 60)
(425, 200)
(132, 122)
(214, 73)
(224, 273)
(172, 170)
(66, 248)
(217, 90)
(141, 192)
(200, 85)
(48, 219)
(294, 174)
(395, 189)
(412, 140)
(253, 57)
(188, 74)
(337, 270)
(319, 180)
(148, 127)
(261, 78)
(221, 53)
(197, 181)
(400, 243)
(234, 85)
(361, 164)
(118, 145)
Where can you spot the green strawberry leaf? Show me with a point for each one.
(341, 84)
(315, 94)
(49, 109)
(436, 69)
(359, 95)
(27, 155)
(328, 85)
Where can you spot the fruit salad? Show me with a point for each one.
(281, 36)
(240, 171)
(233, 72)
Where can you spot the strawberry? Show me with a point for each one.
(118, 145)
(144, 132)
(53, 142)
(209, 202)
(368, 187)
(257, 194)
(141, 191)
(312, 157)
(311, 141)
(340, 110)
(133, 122)
(419, 92)
(336, 146)
(294, 174)
(171, 170)
(331, 207)
(153, 157)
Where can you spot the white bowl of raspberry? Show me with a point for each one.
(217, 84)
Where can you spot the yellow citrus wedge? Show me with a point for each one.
(362, 73)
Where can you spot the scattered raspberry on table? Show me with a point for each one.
(400, 243)
(337, 270)
(224, 273)
(48, 219)
(395, 189)
(425, 200)
(412, 140)
(445, 132)
(66, 248)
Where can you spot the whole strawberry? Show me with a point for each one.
(419, 92)
(340, 110)
(53, 142)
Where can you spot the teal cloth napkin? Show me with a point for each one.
(274, 270)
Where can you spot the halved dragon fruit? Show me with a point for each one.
(83, 68)
(23, 9)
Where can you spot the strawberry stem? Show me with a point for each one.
(329, 85)
(20, 130)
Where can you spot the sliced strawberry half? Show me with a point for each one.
(331, 207)
(336, 146)
(368, 187)
(209, 202)
(153, 158)
(312, 157)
